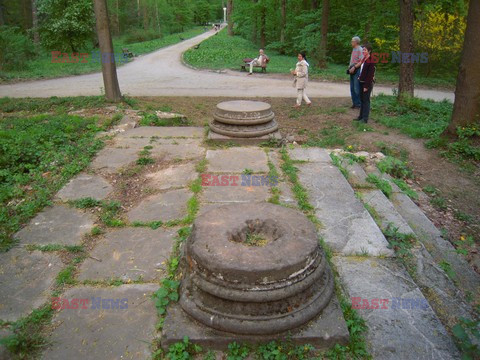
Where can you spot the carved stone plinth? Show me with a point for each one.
(237, 120)
(255, 272)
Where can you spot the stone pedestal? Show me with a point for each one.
(254, 273)
(243, 122)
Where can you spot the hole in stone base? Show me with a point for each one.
(257, 233)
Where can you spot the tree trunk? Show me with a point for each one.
(117, 17)
(36, 35)
(466, 108)
(2, 18)
(405, 86)
(109, 69)
(322, 61)
(229, 17)
(263, 20)
(284, 21)
(254, 23)
(314, 4)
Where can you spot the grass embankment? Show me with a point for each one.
(39, 153)
(43, 68)
(224, 52)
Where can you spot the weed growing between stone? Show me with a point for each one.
(382, 184)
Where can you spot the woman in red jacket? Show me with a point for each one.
(367, 79)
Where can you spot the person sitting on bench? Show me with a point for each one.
(259, 61)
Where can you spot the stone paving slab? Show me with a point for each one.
(237, 159)
(111, 159)
(171, 205)
(235, 194)
(129, 254)
(85, 185)
(105, 333)
(394, 333)
(165, 131)
(58, 224)
(181, 150)
(348, 227)
(174, 176)
(310, 154)
(26, 279)
(385, 211)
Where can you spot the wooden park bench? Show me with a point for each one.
(127, 53)
(246, 65)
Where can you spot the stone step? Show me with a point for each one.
(443, 295)
(440, 249)
(348, 228)
(400, 329)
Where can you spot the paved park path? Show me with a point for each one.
(136, 255)
(162, 73)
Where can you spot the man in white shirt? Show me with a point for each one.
(355, 63)
(259, 61)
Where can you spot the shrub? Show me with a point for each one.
(15, 48)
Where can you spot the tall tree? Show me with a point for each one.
(229, 17)
(36, 36)
(2, 17)
(322, 62)
(284, 20)
(263, 25)
(405, 86)
(466, 108)
(109, 69)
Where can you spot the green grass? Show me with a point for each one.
(415, 117)
(53, 104)
(38, 155)
(330, 136)
(43, 68)
(224, 52)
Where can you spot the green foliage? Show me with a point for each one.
(415, 117)
(445, 266)
(150, 119)
(183, 350)
(86, 203)
(283, 351)
(66, 26)
(52, 104)
(65, 276)
(15, 48)
(381, 184)
(338, 163)
(467, 336)
(405, 188)
(395, 167)
(399, 242)
(237, 351)
(109, 214)
(38, 155)
(26, 338)
(166, 293)
(330, 136)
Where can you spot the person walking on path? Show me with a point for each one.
(355, 63)
(301, 80)
(366, 79)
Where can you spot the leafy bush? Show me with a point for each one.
(395, 167)
(141, 35)
(15, 48)
(66, 25)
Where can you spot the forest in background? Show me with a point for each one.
(29, 28)
(290, 26)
